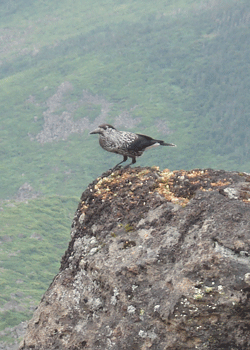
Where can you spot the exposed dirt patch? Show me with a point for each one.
(59, 126)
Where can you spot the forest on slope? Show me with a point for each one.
(176, 70)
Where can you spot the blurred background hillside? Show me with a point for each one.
(175, 70)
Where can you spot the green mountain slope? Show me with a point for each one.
(182, 64)
(33, 236)
(176, 70)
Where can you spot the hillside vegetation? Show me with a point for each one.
(176, 70)
(183, 65)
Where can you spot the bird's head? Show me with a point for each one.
(102, 128)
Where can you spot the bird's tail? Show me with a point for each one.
(162, 143)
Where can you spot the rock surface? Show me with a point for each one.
(157, 260)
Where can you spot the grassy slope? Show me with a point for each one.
(187, 68)
(34, 234)
(184, 62)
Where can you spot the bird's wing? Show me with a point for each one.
(141, 142)
(146, 137)
(153, 141)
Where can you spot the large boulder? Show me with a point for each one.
(157, 260)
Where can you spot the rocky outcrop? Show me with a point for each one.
(157, 260)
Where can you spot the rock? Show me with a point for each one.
(160, 261)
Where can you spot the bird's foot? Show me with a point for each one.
(116, 167)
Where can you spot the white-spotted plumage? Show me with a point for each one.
(125, 143)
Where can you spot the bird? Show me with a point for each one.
(126, 143)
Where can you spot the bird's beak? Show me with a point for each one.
(96, 131)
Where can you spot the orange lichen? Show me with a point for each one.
(84, 207)
(109, 186)
(220, 183)
(163, 187)
(176, 186)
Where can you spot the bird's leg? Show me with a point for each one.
(117, 165)
(133, 162)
